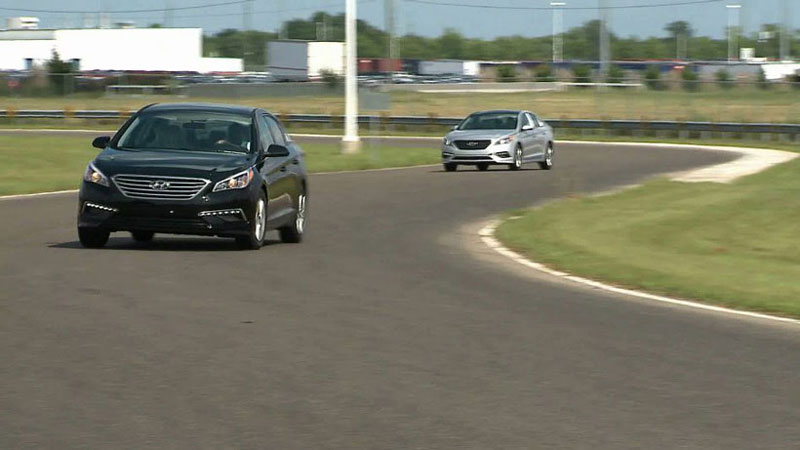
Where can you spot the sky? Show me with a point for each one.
(419, 18)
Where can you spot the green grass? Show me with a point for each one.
(735, 245)
(31, 164)
(742, 104)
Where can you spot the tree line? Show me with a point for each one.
(580, 43)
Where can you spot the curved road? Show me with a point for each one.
(390, 327)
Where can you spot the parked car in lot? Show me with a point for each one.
(510, 138)
(200, 169)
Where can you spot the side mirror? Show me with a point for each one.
(101, 142)
(276, 150)
(455, 127)
(527, 127)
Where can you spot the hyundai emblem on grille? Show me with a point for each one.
(159, 185)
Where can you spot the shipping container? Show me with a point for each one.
(291, 60)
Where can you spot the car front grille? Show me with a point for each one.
(472, 144)
(473, 158)
(147, 187)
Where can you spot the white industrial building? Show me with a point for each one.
(128, 49)
(304, 60)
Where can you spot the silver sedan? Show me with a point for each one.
(510, 138)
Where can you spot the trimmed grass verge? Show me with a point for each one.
(734, 245)
(31, 164)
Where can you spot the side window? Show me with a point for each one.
(534, 120)
(526, 120)
(277, 134)
(264, 135)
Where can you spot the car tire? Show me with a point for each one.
(93, 237)
(549, 153)
(142, 236)
(258, 226)
(293, 234)
(517, 164)
(450, 167)
(483, 166)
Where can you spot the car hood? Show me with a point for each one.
(171, 163)
(479, 134)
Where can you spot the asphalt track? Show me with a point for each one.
(390, 327)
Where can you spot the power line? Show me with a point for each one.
(130, 11)
(547, 8)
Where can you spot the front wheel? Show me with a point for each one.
(547, 164)
(450, 167)
(93, 237)
(293, 234)
(258, 226)
(517, 164)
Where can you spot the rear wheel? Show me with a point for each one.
(258, 226)
(92, 237)
(547, 164)
(450, 167)
(142, 236)
(517, 164)
(293, 234)
(483, 166)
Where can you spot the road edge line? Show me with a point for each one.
(487, 236)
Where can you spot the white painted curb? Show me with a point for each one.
(487, 235)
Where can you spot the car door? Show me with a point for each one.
(538, 136)
(526, 136)
(273, 170)
(289, 178)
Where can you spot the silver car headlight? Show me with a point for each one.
(506, 140)
(447, 141)
(93, 175)
(239, 181)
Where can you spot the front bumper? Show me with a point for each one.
(493, 154)
(213, 214)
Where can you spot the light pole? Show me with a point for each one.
(350, 141)
(733, 31)
(558, 24)
(785, 52)
(604, 51)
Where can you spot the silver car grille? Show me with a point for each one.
(149, 187)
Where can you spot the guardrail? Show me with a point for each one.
(792, 130)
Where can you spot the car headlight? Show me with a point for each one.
(92, 175)
(239, 181)
(446, 141)
(505, 140)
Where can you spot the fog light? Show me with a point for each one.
(100, 207)
(446, 155)
(223, 212)
(503, 155)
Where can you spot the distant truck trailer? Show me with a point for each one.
(449, 67)
(291, 60)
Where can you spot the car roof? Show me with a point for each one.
(211, 107)
(500, 111)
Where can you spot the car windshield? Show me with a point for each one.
(196, 131)
(490, 121)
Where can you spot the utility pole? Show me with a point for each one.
(247, 15)
(604, 50)
(168, 14)
(281, 25)
(733, 32)
(350, 142)
(388, 6)
(786, 30)
(558, 25)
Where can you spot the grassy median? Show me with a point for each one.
(742, 104)
(44, 163)
(735, 245)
